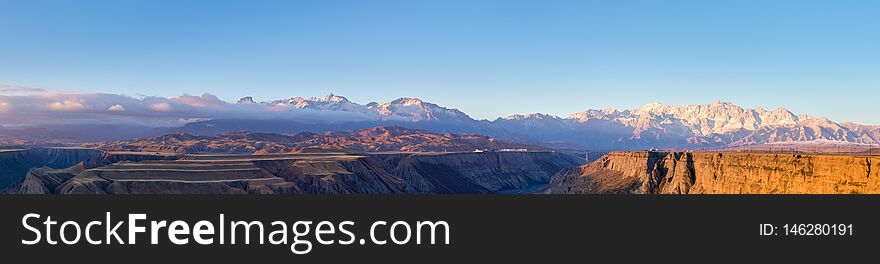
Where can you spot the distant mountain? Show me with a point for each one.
(369, 140)
(402, 109)
(330, 102)
(719, 124)
(246, 100)
(414, 109)
(715, 125)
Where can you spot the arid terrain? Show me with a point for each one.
(397, 160)
(379, 160)
(374, 139)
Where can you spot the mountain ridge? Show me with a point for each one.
(655, 125)
(401, 109)
(375, 139)
(713, 125)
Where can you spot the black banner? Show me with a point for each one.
(481, 228)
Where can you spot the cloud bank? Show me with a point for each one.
(22, 106)
(14, 89)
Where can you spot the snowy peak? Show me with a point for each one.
(778, 117)
(725, 123)
(604, 114)
(414, 109)
(718, 123)
(330, 102)
(535, 116)
(306, 102)
(331, 98)
(717, 117)
(539, 121)
(406, 101)
(401, 109)
(246, 100)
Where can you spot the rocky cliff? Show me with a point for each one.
(66, 157)
(14, 164)
(46, 180)
(722, 173)
(335, 175)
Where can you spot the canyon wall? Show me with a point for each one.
(14, 164)
(477, 172)
(721, 173)
(66, 157)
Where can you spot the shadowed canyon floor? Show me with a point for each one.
(722, 173)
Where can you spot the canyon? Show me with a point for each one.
(398, 160)
(304, 173)
(378, 160)
(648, 172)
(96, 171)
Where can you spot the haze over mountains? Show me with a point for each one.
(717, 124)
(710, 125)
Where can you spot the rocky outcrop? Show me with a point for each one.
(722, 173)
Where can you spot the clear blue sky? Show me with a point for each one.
(487, 58)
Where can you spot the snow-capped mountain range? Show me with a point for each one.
(717, 124)
(726, 124)
(403, 109)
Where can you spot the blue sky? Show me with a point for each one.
(487, 58)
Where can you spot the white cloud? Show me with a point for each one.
(161, 107)
(56, 108)
(117, 108)
(67, 106)
(205, 100)
(15, 89)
